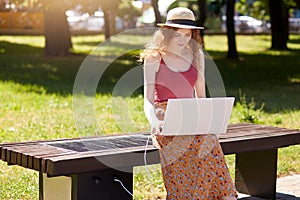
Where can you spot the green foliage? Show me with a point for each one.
(214, 7)
(247, 110)
(258, 9)
(148, 182)
(213, 22)
(128, 11)
(288, 160)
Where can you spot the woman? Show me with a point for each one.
(193, 166)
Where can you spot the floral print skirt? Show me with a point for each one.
(194, 167)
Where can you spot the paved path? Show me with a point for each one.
(288, 188)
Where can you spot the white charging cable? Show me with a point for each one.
(146, 166)
(147, 171)
(117, 180)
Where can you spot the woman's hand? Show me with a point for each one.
(156, 126)
(160, 114)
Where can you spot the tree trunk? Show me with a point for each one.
(57, 33)
(202, 16)
(232, 52)
(286, 25)
(278, 28)
(156, 11)
(107, 30)
(109, 9)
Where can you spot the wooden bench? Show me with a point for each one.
(84, 168)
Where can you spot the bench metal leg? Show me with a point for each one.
(101, 186)
(255, 173)
(58, 188)
(92, 186)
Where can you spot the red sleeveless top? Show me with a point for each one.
(170, 84)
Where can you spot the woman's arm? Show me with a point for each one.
(200, 83)
(151, 66)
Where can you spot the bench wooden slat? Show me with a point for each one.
(45, 151)
(256, 144)
(255, 128)
(64, 165)
(20, 150)
(255, 134)
(19, 153)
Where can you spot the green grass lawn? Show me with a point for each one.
(36, 97)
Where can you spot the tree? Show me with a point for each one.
(57, 33)
(128, 13)
(278, 25)
(278, 13)
(110, 11)
(156, 11)
(232, 51)
(202, 15)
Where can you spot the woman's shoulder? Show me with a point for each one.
(153, 57)
(152, 61)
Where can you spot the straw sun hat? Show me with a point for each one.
(180, 17)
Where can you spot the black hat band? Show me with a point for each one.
(182, 22)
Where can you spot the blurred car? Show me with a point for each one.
(147, 19)
(294, 24)
(84, 21)
(246, 24)
(95, 22)
(77, 20)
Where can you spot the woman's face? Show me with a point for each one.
(180, 38)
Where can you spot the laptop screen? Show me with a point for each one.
(193, 116)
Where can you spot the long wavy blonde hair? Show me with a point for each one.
(161, 39)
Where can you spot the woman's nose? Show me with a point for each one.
(183, 38)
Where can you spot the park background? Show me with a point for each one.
(37, 73)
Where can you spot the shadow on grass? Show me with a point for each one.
(294, 41)
(27, 65)
(269, 79)
(114, 43)
(265, 77)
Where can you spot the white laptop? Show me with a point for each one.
(197, 116)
